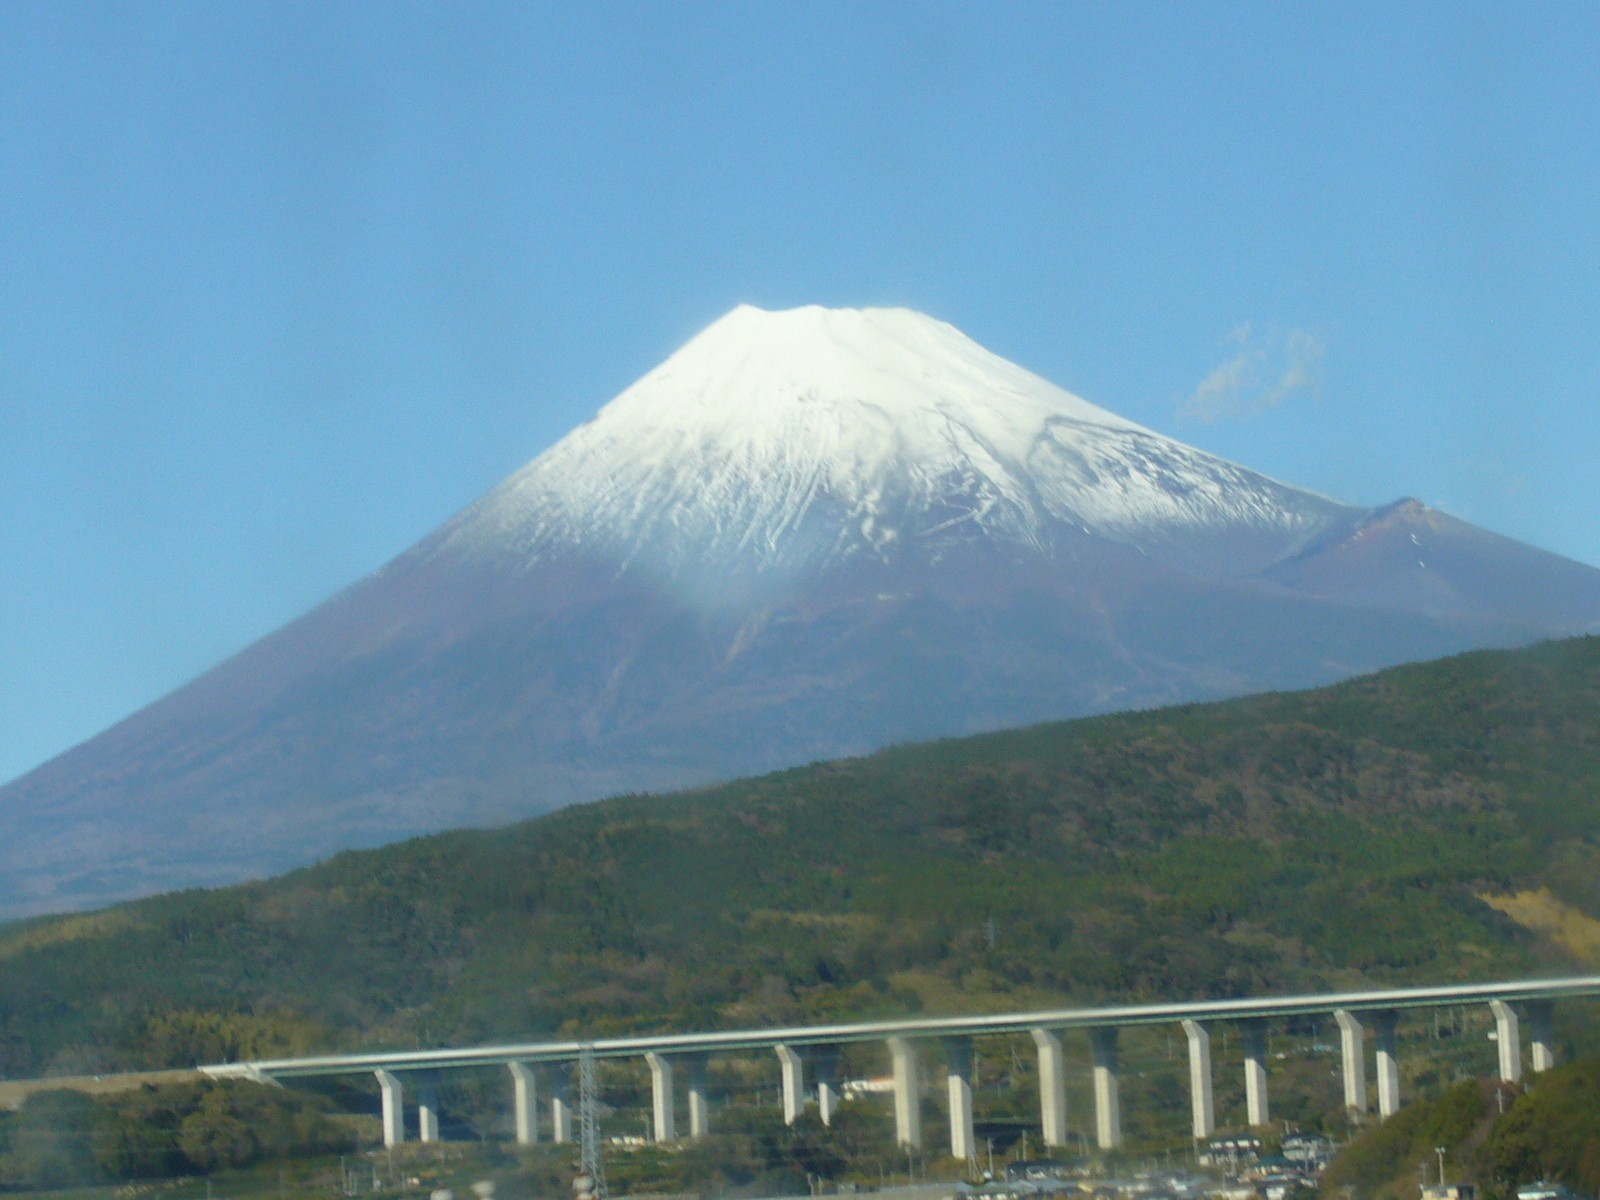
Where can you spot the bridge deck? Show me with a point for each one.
(920, 1027)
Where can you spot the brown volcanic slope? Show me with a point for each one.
(1412, 556)
(739, 592)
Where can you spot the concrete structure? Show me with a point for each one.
(794, 1083)
(907, 1093)
(1383, 1024)
(1052, 1087)
(1107, 1097)
(1257, 1109)
(524, 1102)
(1541, 1025)
(1352, 1059)
(1201, 1103)
(561, 1105)
(428, 1111)
(663, 1124)
(1508, 1040)
(826, 1062)
(958, 1083)
(820, 1044)
(394, 1113)
(695, 1080)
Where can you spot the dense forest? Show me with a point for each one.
(1425, 824)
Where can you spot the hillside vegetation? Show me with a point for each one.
(1378, 831)
(64, 1138)
(1495, 1135)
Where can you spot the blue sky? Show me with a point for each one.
(283, 286)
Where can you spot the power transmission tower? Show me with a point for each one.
(593, 1165)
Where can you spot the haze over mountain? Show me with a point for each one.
(805, 535)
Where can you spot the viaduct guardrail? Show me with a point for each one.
(817, 1047)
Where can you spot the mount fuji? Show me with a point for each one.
(805, 535)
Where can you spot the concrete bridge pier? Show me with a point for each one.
(958, 1057)
(1052, 1087)
(1107, 1098)
(428, 1111)
(907, 1093)
(825, 1060)
(1201, 1103)
(1541, 1028)
(794, 1083)
(1352, 1060)
(694, 1071)
(1383, 1025)
(394, 1113)
(1508, 1040)
(561, 1104)
(524, 1102)
(663, 1127)
(1257, 1109)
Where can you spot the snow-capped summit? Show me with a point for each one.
(777, 441)
(806, 534)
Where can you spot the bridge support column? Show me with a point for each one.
(826, 1061)
(907, 1093)
(1052, 1087)
(1508, 1040)
(1541, 1028)
(1258, 1110)
(1383, 1025)
(428, 1112)
(524, 1102)
(1352, 1060)
(1107, 1100)
(663, 1126)
(394, 1111)
(1200, 1098)
(694, 1070)
(958, 1057)
(794, 1083)
(561, 1104)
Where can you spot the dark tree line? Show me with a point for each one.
(62, 1138)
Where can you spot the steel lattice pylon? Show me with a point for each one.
(593, 1164)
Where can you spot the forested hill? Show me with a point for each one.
(1423, 824)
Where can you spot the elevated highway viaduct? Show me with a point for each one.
(817, 1047)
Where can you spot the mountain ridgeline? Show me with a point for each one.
(805, 535)
(1428, 823)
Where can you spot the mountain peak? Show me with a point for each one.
(909, 368)
(801, 439)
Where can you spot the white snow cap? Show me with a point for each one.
(878, 369)
(809, 435)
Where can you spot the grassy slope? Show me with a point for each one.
(1278, 842)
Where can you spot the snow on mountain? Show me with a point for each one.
(780, 441)
(807, 534)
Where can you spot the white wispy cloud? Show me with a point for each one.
(1262, 372)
